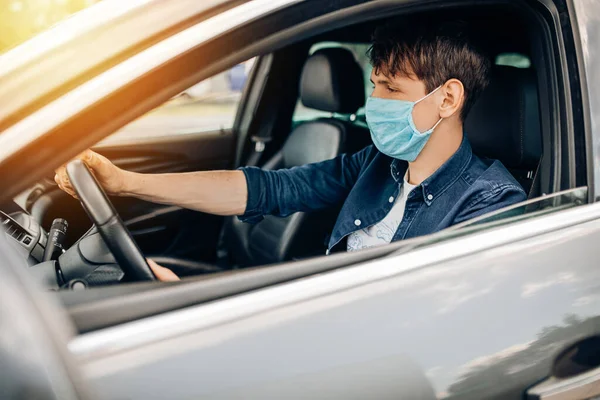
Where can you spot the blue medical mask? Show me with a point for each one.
(393, 129)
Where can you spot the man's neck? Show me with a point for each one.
(443, 143)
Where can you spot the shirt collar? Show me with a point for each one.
(443, 177)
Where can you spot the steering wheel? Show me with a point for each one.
(112, 229)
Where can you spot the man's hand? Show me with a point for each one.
(162, 274)
(108, 175)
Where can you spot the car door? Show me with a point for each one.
(472, 313)
(480, 315)
(194, 131)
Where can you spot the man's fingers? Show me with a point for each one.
(90, 158)
(59, 180)
(163, 274)
(71, 192)
(62, 180)
(68, 191)
(61, 173)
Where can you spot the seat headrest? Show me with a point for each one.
(504, 123)
(332, 81)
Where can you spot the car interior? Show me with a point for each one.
(516, 120)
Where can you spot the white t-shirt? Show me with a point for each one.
(383, 231)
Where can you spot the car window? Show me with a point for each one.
(302, 113)
(530, 209)
(208, 106)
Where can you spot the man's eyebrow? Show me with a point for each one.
(381, 81)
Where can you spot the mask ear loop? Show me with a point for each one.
(432, 92)
(436, 124)
(418, 101)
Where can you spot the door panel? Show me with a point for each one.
(485, 325)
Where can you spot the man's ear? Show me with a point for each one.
(454, 95)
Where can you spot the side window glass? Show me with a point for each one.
(208, 106)
(359, 50)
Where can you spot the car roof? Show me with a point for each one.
(88, 43)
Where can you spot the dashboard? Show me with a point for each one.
(22, 229)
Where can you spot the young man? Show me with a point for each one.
(420, 176)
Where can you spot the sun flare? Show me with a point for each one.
(23, 19)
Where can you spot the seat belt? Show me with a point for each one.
(260, 143)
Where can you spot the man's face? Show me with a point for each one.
(408, 88)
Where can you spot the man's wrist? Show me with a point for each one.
(129, 183)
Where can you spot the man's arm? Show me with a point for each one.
(307, 188)
(250, 192)
(214, 192)
(227, 192)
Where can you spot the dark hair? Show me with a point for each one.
(434, 53)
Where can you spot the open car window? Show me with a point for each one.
(527, 210)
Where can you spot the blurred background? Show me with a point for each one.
(23, 19)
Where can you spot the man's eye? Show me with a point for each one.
(390, 90)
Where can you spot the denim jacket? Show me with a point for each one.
(366, 183)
